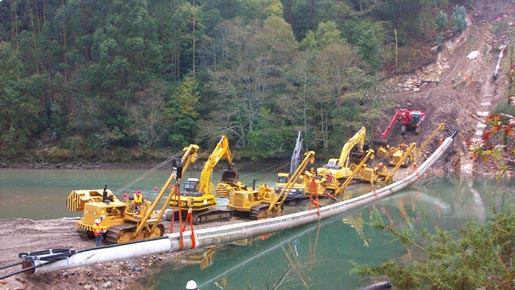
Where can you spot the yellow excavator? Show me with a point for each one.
(340, 168)
(264, 202)
(197, 194)
(121, 222)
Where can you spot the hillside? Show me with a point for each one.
(466, 91)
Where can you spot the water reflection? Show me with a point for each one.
(319, 256)
(315, 256)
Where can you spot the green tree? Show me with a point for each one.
(19, 106)
(478, 256)
(458, 18)
(369, 37)
(246, 85)
(181, 113)
(442, 21)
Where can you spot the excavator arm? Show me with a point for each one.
(278, 201)
(392, 122)
(221, 150)
(359, 137)
(339, 168)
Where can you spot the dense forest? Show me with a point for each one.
(128, 79)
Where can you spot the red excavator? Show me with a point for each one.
(410, 120)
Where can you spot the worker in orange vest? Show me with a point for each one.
(137, 200)
(98, 232)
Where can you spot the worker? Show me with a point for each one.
(329, 177)
(98, 232)
(380, 168)
(104, 195)
(137, 200)
(191, 285)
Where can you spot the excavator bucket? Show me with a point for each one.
(380, 142)
(229, 176)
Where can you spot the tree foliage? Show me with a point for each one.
(477, 256)
(109, 75)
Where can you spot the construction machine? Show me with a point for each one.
(119, 221)
(356, 171)
(340, 168)
(439, 127)
(297, 191)
(380, 174)
(264, 202)
(394, 154)
(410, 120)
(197, 194)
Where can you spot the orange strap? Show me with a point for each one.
(415, 166)
(313, 189)
(189, 217)
(372, 188)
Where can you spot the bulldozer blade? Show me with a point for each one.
(229, 176)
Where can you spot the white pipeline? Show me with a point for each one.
(234, 232)
(498, 65)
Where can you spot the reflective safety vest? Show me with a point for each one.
(97, 230)
(138, 200)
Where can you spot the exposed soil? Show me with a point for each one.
(465, 88)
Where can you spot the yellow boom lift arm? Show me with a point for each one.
(189, 156)
(278, 201)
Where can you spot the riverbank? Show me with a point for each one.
(27, 235)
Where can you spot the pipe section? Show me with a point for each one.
(234, 232)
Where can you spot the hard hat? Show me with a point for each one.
(97, 221)
(191, 285)
(139, 191)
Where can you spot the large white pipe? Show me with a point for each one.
(234, 232)
(498, 65)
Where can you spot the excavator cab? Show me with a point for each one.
(191, 187)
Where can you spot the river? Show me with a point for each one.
(317, 256)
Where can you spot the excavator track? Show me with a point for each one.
(212, 215)
(119, 234)
(124, 233)
(259, 211)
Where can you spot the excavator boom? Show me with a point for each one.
(409, 118)
(221, 150)
(339, 168)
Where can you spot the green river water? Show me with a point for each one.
(316, 256)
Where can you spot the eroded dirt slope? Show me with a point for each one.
(464, 69)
